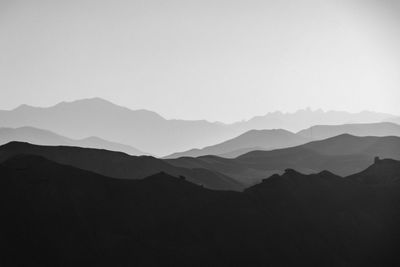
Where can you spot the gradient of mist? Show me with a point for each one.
(216, 60)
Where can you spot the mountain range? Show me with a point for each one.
(343, 155)
(278, 138)
(44, 137)
(147, 131)
(53, 215)
(251, 140)
(119, 165)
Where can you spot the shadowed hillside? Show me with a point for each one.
(319, 132)
(342, 155)
(117, 164)
(251, 140)
(59, 215)
(275, 139)
(382, 172)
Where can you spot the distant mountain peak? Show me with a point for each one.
(23, 107)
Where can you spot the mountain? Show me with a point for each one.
(305, 118)
(251, 140)
(320, 132)
(148, 131)
(43, 137)
(383, 171)
(141, 129)
(118, 165)
(274, 139)
(342, 155)
(58, 215)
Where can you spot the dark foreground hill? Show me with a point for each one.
(119, 165)
(57, 215)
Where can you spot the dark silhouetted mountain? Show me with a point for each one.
(320, 132)
(57, 215)
(42, 137)
(251, 140)
(342, 155)
(152, 133)
(383, 171)
(117, 164)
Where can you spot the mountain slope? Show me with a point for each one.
(141, 129)
(59, 215)
(382, 172)
(43, 137)
(261, 139)
(342, 155)
(305, 118)
(117, 164)
(320, 132)
(154, 134)
(275, 139)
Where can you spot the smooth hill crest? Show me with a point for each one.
(251, 140)
(279, 138)
(43, 137)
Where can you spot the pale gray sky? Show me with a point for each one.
(220, 60)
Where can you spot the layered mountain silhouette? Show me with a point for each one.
(306, 118)
(43, 137)
(278, 138)
(343, 155)
(141, 129)
(119, 165)
(53, 215)
(156, 135)
(320, 132)
(251, 140)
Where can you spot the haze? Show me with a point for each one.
(215, 60)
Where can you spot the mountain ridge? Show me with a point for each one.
(44, 137)
(118, 164)
(150, 132)
(55, 213)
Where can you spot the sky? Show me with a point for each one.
(220, 60)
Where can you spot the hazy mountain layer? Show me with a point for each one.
(56, 215)
(274, 139)
(43, 137)
(342, 155)
(251, 140)
(320, 132)
(119, 165)
(152, 133)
